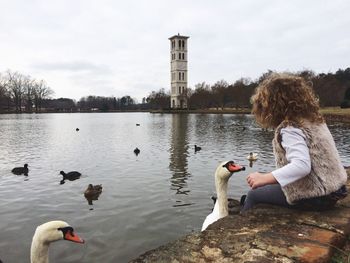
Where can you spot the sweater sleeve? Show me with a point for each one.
(297, 155)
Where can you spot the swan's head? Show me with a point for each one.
(54, 231)
(26, 166)
(226, 169)
(63, 173)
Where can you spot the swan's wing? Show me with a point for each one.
(208, 221)
(212, 217)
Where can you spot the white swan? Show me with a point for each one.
(47, 233)
(252, 156)
(222, 175)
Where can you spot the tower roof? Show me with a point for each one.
(178, 36)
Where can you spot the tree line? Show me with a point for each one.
(333, 89)
(22, 93)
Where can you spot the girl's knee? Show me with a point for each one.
(251, 195)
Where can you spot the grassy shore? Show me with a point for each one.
(335, 110)
(206, 111)
(336, 114)
(331, 114)
(327, 110)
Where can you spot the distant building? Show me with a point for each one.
(178, 70)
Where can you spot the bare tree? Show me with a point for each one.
(29, 88)
(3, 92)
(201, 96)
(219, 93)
(190, 92)
(16, 88)
(41, 92)
(159, 99)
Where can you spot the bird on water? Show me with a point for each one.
(71, 176)
(137, 151)
(21, 170)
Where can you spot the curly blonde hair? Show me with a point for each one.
(284, 96)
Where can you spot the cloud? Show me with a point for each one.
(73, 66)
(122, 47)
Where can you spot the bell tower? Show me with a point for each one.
(178, 71)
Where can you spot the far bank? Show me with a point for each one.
(336, 114)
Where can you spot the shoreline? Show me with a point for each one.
(334, 114)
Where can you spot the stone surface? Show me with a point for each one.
(264, 234)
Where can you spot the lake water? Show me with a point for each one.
(147, 200)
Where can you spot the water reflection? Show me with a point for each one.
(179, 153)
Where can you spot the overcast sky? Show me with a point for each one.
(105, 48)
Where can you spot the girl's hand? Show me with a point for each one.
(257, 179)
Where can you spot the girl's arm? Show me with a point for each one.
(257, 179)
(298, 157)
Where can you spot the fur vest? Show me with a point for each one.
(327, 172)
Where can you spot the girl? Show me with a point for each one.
(309, 172)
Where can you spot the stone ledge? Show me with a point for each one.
(264, 234)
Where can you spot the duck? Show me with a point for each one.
(137, 151)
(197, 148)
(77, 129)
(71, 176)
(47, 233)
(137, 124)
(222, 174)
(93, 190)
(92, 193)
(252, 156)
(21, 170)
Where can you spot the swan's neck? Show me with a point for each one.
(221, 191)
(39, 252)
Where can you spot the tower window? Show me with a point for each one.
(183, 56)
